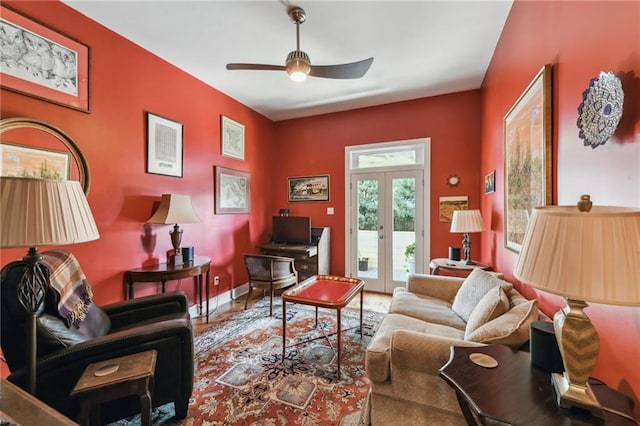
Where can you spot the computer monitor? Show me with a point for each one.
(291, 230)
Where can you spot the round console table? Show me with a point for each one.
(455, 267)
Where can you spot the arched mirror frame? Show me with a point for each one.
(84, 173)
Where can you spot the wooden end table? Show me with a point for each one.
(456, 267)
(323, 291)
(165, 272)
(98, 384)
(518, 393)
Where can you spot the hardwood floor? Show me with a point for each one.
(372, 301)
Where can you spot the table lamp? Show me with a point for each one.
(175, 208)
(582, 253)
(467, 221)
(40, 212)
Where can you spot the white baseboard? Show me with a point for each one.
(218, 299)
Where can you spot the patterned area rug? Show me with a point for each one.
(240, 378)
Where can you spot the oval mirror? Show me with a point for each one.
(31, 148)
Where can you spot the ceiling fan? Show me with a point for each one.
(298, 64)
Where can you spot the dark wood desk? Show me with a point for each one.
(165, 272)
(517, 393)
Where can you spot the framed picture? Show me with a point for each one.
(450, 204)
(28, 162)
(63, 80)
(527, 157)
(490, 182)
(308, 188)
(233, 193)
(164, 146)
(232, 138)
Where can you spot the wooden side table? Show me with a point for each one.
(99, 383)
(164, 272)
(517, 393)
(455, 267)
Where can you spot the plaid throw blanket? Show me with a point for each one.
(68, 280)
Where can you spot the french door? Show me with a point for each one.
(386, 226)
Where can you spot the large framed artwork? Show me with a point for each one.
(233, 192)
(527, 157)
(164, 146)
(308, 188)
(29, 162)
(40, 62)
(232, 138)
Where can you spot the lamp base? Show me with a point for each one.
(570, 395)
(175, 259)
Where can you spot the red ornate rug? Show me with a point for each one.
(240, 378)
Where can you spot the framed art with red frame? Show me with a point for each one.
(40, 62)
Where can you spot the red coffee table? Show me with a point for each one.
(323, 291)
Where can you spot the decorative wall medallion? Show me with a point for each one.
(600, 110)
(453, 180)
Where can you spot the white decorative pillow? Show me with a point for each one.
(510, 328)
(491, 306)
(474, 287)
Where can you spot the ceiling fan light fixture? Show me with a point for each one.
(298, 65)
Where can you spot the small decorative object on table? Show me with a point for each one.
(600, 110)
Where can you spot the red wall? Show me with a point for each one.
(579, 39)
(316, 145)
(125, 82)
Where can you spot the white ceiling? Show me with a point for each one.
(421, 48)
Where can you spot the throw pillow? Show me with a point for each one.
(510, 328)
(474, 287)
(491, 306)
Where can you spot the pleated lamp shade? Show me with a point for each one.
(467, 221)
(37, 212)
(592, 256)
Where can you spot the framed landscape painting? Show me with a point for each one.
(63, 79)
(527, 157)
(308, 188)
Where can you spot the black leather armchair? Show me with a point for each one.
(158, 322)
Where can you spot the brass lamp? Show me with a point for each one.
(39, 212)
(467, 221)
(175, 208)
(581, 253)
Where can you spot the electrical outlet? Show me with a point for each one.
(216, 280)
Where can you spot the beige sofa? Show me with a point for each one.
(414, 339)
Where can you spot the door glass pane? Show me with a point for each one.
(368, 194)
(404, 225)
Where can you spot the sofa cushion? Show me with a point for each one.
(493, 304)
(425, 308)
(510, 328)
(474, 287)
(378, 354)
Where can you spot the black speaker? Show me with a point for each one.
(187, 254)
(454, 253)
(543, 345)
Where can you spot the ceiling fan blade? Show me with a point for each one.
(256, 67)
(352, 70)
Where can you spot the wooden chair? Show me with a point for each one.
(269, 272)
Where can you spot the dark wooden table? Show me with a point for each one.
(455, 267)
(21, 408)
(324, 291)
(99, 383)
(165, 272)
(517, 393)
